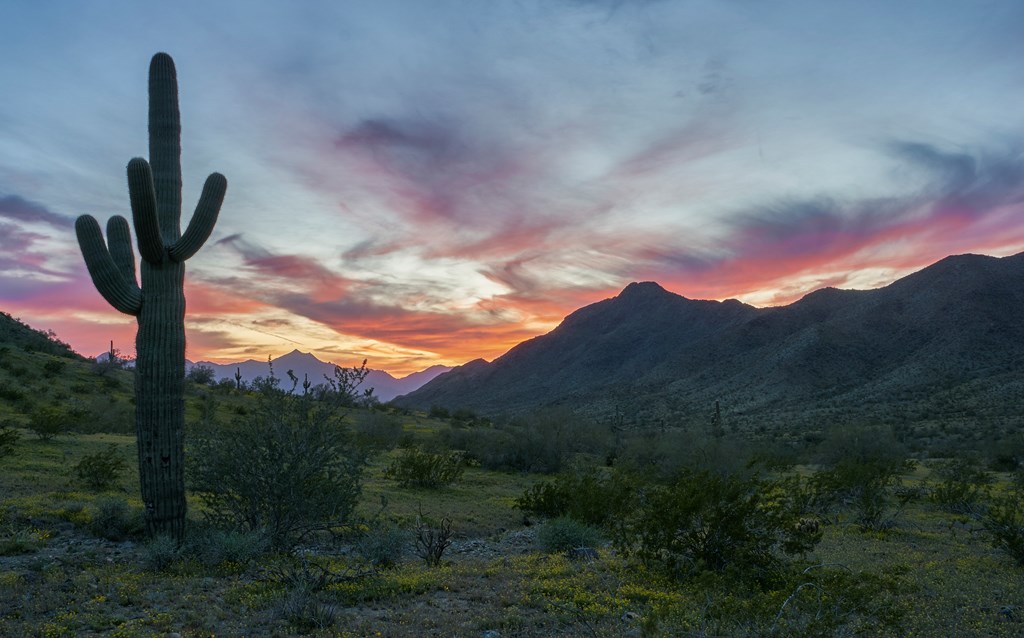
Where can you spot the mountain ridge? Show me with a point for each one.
(302, 364)
(903, 351)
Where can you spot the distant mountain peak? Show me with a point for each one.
(642, 290)
(846, 354)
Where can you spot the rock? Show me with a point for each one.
(490, 633)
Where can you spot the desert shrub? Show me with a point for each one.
(20, 539)
(665, 454)
(53, 367)
(379, 431)
(590, 495)
(212, 546)
(384, 545)
(863, 486)
(11, 393)
(706, 521)
(114, 520)
(432, 539)
(545, 443)
(48, 422)
(963, 487)
(287, 469)
(202, 375)
(9, 437)
(1004, 522)
(860, 445)
(161, 552)
(417, 468)
(563, 534)
(101, 470)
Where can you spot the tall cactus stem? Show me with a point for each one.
(159, 302)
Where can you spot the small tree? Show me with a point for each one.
(706, 521)
(203, 375)
(417, 468)
(287, 469)
(1004, 521)
(101, 470)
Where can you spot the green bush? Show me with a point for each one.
(546, 442)
(48, 422)
(288, 469)
(201, 375)
(864, 486)
(114, 520)
(383, 546)
(1004, 521)
(379, 431)
(212, 546)
(416, 468)
(53, 367)
(563, 534)
(590, 495)
(11, 393)
(706, 521)
(963, 488)
(161, 552)
(101, 470)
(9, 437)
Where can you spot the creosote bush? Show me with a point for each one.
(114, 520)
(417, 468)
(546, 442)
(862, 485)
(1004, 521)
(9, 437)
(287, 469)
(706, 521)
(963, 487)
(48, 422)
(589, 495)
(563, 534)
(383, 546)
(101, 470)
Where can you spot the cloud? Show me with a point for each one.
(813, 239)
(17, 208)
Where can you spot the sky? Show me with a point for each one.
(416, 182)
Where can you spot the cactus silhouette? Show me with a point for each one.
(158, 304)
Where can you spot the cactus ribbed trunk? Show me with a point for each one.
(159, 303)
(160, 398)
(160, 342)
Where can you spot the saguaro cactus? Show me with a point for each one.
(154, 189)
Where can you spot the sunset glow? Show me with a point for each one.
(431, 182)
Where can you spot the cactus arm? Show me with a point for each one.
(119, 240)
(203, 220)
(165, 144)
(108, 277)
(144, 211)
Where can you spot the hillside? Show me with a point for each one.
(14, 333)
(944, 343)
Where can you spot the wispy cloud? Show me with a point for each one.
(17, 208)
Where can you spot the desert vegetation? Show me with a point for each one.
(311, 514)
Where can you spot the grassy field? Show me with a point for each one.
(931, 573)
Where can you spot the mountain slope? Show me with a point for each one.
(15, 333)
(944, 340)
